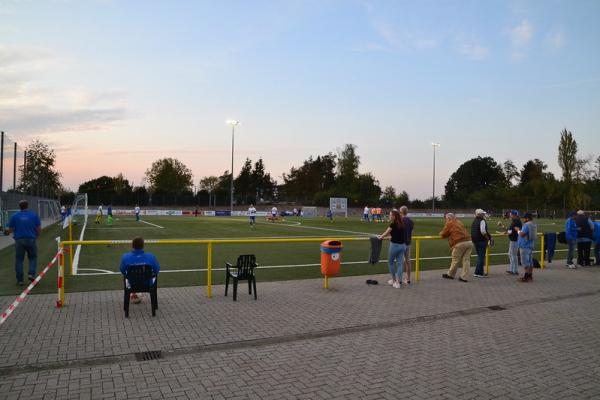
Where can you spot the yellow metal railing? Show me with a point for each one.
(210, 242)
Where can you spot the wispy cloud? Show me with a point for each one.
(30, 105)
(555, 40)
(520, 37)
(471, 48)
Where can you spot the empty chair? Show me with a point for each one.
(140, 279)
(244, 271)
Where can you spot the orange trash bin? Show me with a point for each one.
(331, 257)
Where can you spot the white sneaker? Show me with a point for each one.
(391, 282)
(397, 285)
(571, 266)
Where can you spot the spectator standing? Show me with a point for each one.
(480, 237)
(395, 232)
(526, 242)
(513, 247)
(408, 229)
(597, 243)
(26, 227)
(571, 237)
(585, 234)
(460, 243)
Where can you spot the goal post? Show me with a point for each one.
(339, 205)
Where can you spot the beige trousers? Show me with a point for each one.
(461, 253)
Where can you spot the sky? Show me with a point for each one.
(112, 86)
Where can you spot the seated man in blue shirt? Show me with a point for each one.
(26, 226)
(137, 256)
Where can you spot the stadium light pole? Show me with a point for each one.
(434, 145)
(233, 124)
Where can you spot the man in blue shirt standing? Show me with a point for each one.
(26, 226)
(137, 256)
(526, 242)
(571, 237)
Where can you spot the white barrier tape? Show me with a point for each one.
(22, 296)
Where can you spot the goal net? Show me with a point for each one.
(339, 205)
(49, 209)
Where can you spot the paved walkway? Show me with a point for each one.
(489, 338)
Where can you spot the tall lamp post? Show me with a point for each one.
(434, 145)
(233, 124)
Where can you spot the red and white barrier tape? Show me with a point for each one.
(22, 296)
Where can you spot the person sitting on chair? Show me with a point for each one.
(137, 256)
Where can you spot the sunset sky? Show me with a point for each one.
(115, 85)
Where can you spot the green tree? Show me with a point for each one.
(510, 172)
(533, 170)
(243, 184)
(388, 197)
(567, 155)
(39, 176)
(108, 190)
(347, 165)
(263, 185)
(312, 182)
(472, 176)
(169, 177)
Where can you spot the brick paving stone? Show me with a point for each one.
(533, 349)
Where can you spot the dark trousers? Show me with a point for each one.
(22, 246)
(480, 249)
(583, 252)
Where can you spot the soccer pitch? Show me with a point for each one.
(185, 265)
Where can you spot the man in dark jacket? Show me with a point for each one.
(513, 248)
(585, 234)
(480, 237)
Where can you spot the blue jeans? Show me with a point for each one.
(526, 257)
(513, 256)
(571, 251)
(396, 252)
(480, 249)
(21, 247)
(597, 253)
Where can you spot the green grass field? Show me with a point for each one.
(182, 265)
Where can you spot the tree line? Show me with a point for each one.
(478, 182)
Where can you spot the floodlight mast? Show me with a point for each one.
(434, 145)
(233, 124)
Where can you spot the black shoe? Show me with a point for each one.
(20, 283)
(31, 278)
(447, 276)
(462, 280)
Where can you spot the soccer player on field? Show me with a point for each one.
(137, 213)
(273, 214)
(366, 214)
(252, 215)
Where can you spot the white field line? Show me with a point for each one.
(150, 223)
(105, 272)
(115, 228)
(296, 224)
(78, 249)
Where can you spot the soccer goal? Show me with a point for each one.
(339, 205)
(49, 209)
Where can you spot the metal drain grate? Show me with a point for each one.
(148, 355)
(496, 308)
